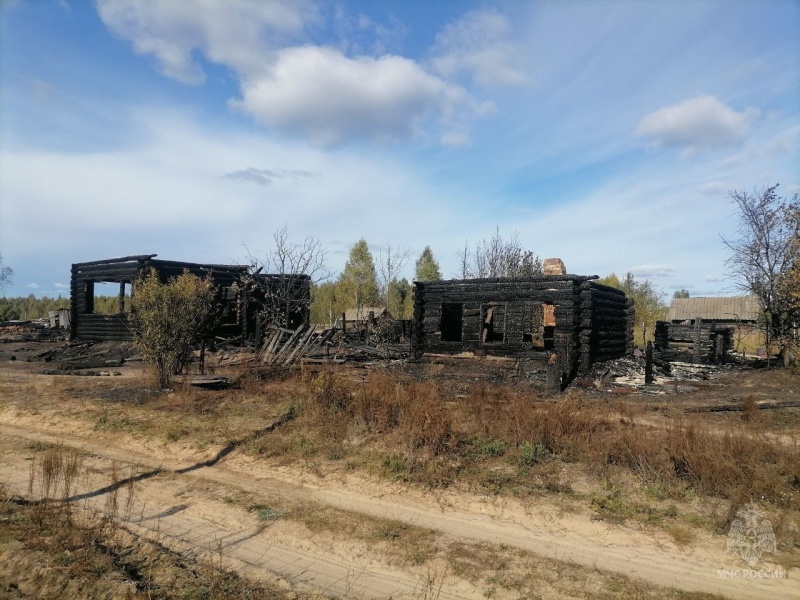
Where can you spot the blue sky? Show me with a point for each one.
(605, 133)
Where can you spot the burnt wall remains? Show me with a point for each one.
(700, 342)
(536, 319)
(239, 305)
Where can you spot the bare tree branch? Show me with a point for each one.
(391, 261)
(762, 252)
(499, 257)
(283, 276)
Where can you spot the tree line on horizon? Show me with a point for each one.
(373, 279)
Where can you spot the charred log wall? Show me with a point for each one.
(572, 316)
(529, 317)
(606, 324)
(237, 309)
(85, 324)
(706, 342)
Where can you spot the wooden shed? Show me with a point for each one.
(570, 317)
(239, 303)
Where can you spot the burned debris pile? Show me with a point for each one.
(38, 330)
(285, 346)
(627, 374)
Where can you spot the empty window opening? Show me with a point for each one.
(229, 300)
(543, 327)
(549, 320)
(452, 321)
(492, 324)
(88, 297)
(107, 297)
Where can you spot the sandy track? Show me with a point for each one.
(534, 528)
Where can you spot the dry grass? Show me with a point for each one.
(51, 550)
(424, 437)
(400, 542)
(682, 536)
(497, 567)
(491, 439)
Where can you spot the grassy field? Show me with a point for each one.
(632, 461)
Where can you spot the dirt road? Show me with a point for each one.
(182, 502)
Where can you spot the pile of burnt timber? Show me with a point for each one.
(78, 356)
(700, 343)
(284, 347)
(28, 331)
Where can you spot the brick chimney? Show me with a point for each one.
(554, 266)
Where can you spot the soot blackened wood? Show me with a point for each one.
(701, 342)
(505, 316)
(238, 308)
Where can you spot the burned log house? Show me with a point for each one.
(240, 301)
(704, 330)
(570, 319)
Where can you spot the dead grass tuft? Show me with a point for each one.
(750, 409)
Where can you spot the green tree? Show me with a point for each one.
(8, 312)
(426, 267)
(326, 304)
(400, 293)
(169, 319)
(682, 293)
(358, 283)
(408, 303)
(30, 307)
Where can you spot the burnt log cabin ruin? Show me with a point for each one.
(242, 297)
(705, 330)
(569, 319)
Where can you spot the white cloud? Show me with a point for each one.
(479, 46)
(61, 286)
(237, 33)
(784, 143)
(700, 123)
(653, 271)
(331, 98)
(33, 286)
(163, 195)
(714, 188)
(318, 92)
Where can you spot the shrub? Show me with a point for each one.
(168, 319)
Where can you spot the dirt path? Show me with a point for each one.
(200, 524)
